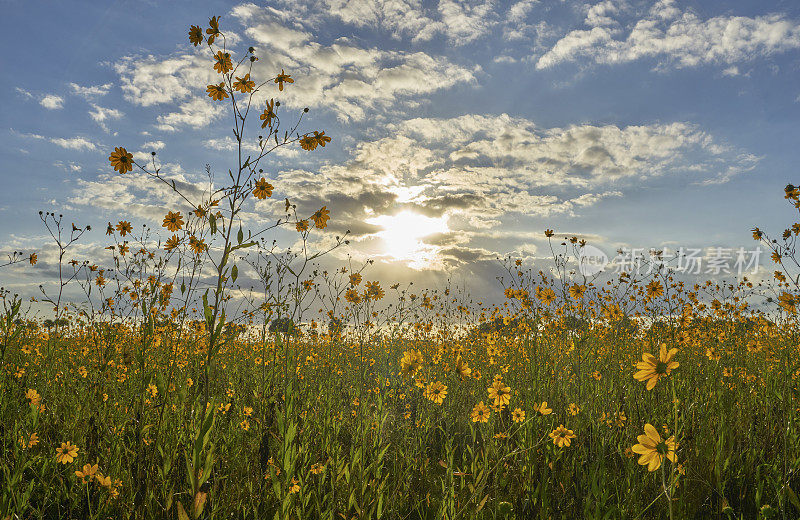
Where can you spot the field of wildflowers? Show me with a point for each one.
(167, 392)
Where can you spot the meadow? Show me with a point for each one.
(169, 391)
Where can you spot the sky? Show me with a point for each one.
(461, 130)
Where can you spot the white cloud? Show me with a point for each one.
(350, 79)
(676, 38)
(101, 114)
(399, 18)
(467, 20)
(52, 102)
(74, 143)
(515, 25)
(731, 71)
(71, 166)
(196, 113)
(24, 93)
(153, 145)
(478, 169)
(91, 92)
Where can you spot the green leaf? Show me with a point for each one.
(792, 497)
(182, 512)
(234, 273)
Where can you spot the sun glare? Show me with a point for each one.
(402, 236)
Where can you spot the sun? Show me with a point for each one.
(402, 236)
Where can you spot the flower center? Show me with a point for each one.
(662, 448)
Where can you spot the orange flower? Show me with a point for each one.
(301, 226)
(173, 221)
(88, 472)
(213, 30)
(652, 368)
(66, 453)
(124, 227)
(223, 62)
(321, 138)
(307, 142)
(195, 35)
(263, 189)
(480, 413)
(121, 160)
(217, 92)
(283, 78)
(269, 114)
(197, 245)
(244, 84)
(321, 217)
(562, 436)
(171, 243)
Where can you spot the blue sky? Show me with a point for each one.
(631, 123)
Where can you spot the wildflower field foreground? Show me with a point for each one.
(158, 382)
(527, 414)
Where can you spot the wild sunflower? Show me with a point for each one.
(576, 291)
(103, 480)
(269, 114)
(543, 409)
(321, 138)
(547, 295)
(213, 29)
(654, 289)
(124, 227)
(411, 362)
(197, 245)
(321, 217)
(33, 396)
(352, 296)
(480, 413)
(562, 436)
(307, 142)
(173, 221)
(301, 226)
(355, 279)
(263, 189)
(121, 160)
(462, 368)
(788, 302)
(436, 392)
(653, 449)
(374, 291)
(171, 243)
(500, 393)
(217, 92)
(518, 415)
(652, 368)
(282, 78)
(33, 258)
(244, 84)
(66, 453)
(87, 472)
(195, 35)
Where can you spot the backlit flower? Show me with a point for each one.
(66, 453)
(653, 449)
(561, 436)
(121, 160)
(652, 368)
